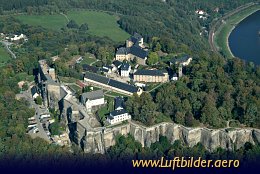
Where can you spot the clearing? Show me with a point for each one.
(100, 23)
(54, 22)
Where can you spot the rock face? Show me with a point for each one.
(99, 139)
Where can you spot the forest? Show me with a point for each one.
(213, 91)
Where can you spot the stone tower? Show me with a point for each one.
(180, 71)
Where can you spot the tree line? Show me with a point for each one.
(212, 92)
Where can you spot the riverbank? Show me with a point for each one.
(224, 31)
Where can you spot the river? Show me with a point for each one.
(244, 40)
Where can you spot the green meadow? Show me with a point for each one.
(55, 22)
(100, 23)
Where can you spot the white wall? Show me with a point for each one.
(125, 73)
(119, 118)
(97, 102)
(187, 62)
(35, 95)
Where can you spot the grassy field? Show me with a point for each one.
(55, 22)
(115, 94)
(4, 56)
(75, 88)
(222, 34)
(104, 111)
(100, 23)
(87, 60)
(68, 79)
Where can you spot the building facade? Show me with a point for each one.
(93, 99)
(155, 76)
(125, 69)
(117, 116)
(110, 84)
(134, 50)
(182, 61)
(34, 92)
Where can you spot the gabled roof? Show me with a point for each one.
(105, 69)
(63, 93)
(89, 68)
(135, 38)
(123, 51)
(119, 102)
(181, 59)
(117, 112)
(117, 63)
(137, 51)
(108, 67)
(110, 82)
(96, 77)
(149, 72)
(34, 90)
(94, 95)
(122, 86)
(125, 66)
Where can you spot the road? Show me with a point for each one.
(156, 87)
(42, 133)
(7, 47)
(94, 62)
(218, 23)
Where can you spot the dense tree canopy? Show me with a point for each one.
(213, 92)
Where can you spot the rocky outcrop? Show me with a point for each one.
(99, 139)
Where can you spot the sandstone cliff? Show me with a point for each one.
(99, 139)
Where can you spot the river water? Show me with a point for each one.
(244, 40)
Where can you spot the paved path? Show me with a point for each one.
(7, 47)
(65, 16)
(42, 133)
(94, 62)
(156, 87)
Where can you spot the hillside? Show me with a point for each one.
(99, 23)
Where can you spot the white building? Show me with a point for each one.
(174, 77)
(125, 69)
(16, 37)
(117, 64)
(111, 84)
(107, 69)
(134, 49)
(34, 92)
(93, 99)
(200, 12)
(118, 116)
(183, 61)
